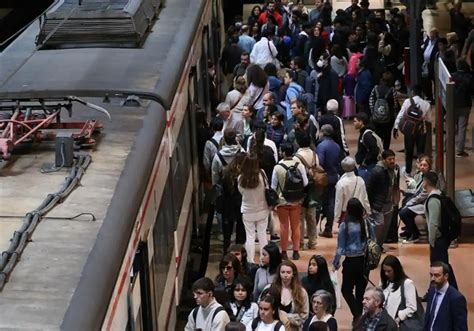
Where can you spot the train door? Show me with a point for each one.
(139, 296)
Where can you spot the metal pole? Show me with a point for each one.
(450, 138)
(439, 124)
(415, 41)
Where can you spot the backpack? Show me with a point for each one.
(277, 326)
(373, 251)
(316, 173)
(216, 311)
(307, 99)
(219, 202)
(381, 112)
(377, 139)
(451, 222)
(412, 122)
(293, 188)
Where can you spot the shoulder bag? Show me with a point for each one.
(270, 194)
(415, 322)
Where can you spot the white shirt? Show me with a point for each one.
(263, 52)
(442, 293)
(425, 107)
(429, 50)
(265, 327)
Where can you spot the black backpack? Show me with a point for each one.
(277, 326)
(450, 217)
(216, 311)
(412, 122)
(293, 188)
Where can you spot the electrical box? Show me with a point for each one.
(64, 150)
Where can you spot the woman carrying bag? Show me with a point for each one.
(401, 299)
(252, 185)
(352, 243)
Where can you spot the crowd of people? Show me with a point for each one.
(276, 151)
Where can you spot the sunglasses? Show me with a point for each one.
(227, 268)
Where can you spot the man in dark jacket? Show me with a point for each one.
(462, 102)
(375, 317)
(367, 149)
(365, 84)
(328, 153)
(328, 82)
(382, 187)
(451, 313)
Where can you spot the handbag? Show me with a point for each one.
(270, 194)
(417, 320)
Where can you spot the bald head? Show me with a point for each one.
(267, 99)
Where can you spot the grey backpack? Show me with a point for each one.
(381, 111)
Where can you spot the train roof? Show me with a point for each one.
(151, 71)
(45, 282)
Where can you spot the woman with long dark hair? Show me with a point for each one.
(270, 259)
(351, 243)
(294, 299)
(251, 184)
(318, 278)
(254, 15)
(240, 306)
(396, 285)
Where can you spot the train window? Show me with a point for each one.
(163, 237)
(181, 165)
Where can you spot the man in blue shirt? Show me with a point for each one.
(245, 41)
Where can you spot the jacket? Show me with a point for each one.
(350, 186)
(328, 153)
(386, 323)
(393, 300)
(378, 187)
(210, 151)
(276, 134)
(452, 312)
(462, 89)
(349, 242)
(337, 124)
(228, 152)
(367, 149)
(433, 217)
(364, 86)
(328, 84)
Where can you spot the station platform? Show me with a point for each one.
(414, 257)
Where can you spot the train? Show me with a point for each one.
(125, 269)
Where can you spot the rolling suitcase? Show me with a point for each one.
(348, 106)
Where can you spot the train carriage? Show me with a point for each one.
(126, 269)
